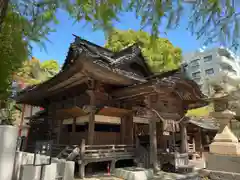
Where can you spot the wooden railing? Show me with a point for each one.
(56, 149)
(98, 152)
(89, 152)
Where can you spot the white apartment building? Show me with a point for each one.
(212, 66)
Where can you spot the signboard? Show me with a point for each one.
(42, 153)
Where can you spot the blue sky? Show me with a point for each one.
(61, 39)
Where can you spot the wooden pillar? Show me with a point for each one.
(184, 140)
(129, 130)
(122, 130)
(72, 135)
(81, 162)
(200, 141)
(113, 165)
(91, 127)
(74, 125)
(91, 122)
(160, 140)
(126, 129)
(153, 136)
(153, 145)
(59, 131)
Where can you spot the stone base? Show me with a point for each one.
(134, 173)
(216, 162)
(34, 172)
(225, 148)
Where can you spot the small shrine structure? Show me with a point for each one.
(101, 103)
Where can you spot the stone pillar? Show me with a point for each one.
(225, 142)
(153, 135)
(184, 140)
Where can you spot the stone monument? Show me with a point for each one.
(224, 155)
(225, 142)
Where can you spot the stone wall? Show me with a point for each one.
(223, 163)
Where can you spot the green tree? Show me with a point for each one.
(200, 112)
(16, 33)
(13, 51)
(9, 112)
(34, 72)
(164, 56)
(51, 67)
(212, 20)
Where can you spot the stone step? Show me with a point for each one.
(184, 169)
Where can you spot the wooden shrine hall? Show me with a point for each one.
(107, 99)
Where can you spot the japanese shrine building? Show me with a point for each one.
(110, 97)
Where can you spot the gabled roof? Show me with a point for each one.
(171, 81)
(126, 70)
(205, 123)
(117, 61)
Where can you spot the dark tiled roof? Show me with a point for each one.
(205, 123)
(119, 63)
(107, 58)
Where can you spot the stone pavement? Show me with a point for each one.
(173, 176)
(101, 177)
(161, 176)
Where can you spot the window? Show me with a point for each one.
(195, 62)
(209, 71)
(228, 68)
(197, 79)
(195, 67)
(207, 58)
(196, 74)
(225, 53)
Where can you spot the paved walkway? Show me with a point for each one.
(101, 176)
(161, 176)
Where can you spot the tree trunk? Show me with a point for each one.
(3, 11)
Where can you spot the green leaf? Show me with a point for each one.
(168, 59)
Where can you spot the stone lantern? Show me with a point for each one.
(225, 142)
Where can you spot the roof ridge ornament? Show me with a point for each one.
(135, 51)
